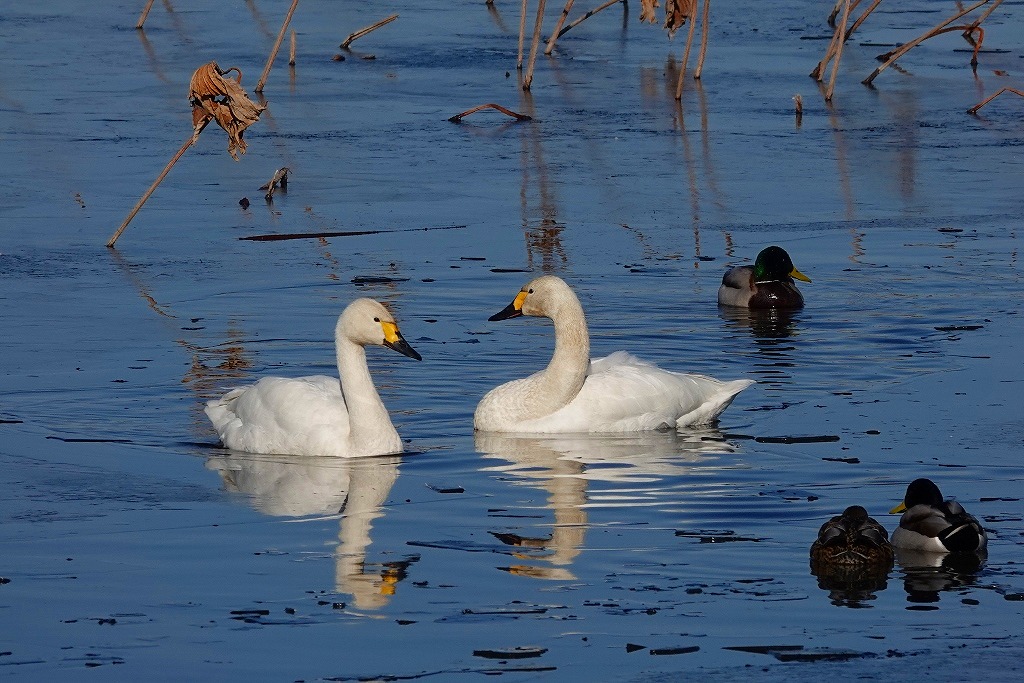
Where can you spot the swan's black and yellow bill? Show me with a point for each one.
(798, 275)
(394, 340)
(513, 310)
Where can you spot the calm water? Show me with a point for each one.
(135, 544)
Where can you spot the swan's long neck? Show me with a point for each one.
(369, 422)
(563, 378)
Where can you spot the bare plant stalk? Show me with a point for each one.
(862, 17)
(703, 38)
(145, 13)
(558, 27)
(975, 108)
(840, 31)
(906, 47)
(798, 100)
(522, 35)
(152, 188)
(362, 32)
(686, 57)
(589, 14)
(277, 46)
(518, 117)
(534, 44)
(291, 50)
(279, 179)
(987, 12)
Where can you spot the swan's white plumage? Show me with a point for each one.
(617, 393)
(318, 415)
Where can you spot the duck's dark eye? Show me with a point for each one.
(376, 320)
(530, 292)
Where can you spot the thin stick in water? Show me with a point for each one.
(152, 188)
(589, 14)
(522, 35)
(558, 27)
(841, 32)
(534, 45)
(145, 13)
(362, 32)
(703, 39)
(490, 105)
(291, 50)
(975, 108)
(277, 46)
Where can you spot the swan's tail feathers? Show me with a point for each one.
(716, 402)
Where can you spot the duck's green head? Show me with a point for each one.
(773, 263)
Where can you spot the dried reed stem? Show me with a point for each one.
(703, 39)
(588, 15)
(798, 101)
(145, 13)
(362, 32)
(906, 47)
(159, 179)
(558, 27)
(277, 46)
(522, 35)
(841, 32)
(518, 117)
(686, 58)
(862, 17)
(279, 179)
(534, 44)
(291, 50)
(975, 108)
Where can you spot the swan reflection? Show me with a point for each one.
(565, 466)
(301, 486)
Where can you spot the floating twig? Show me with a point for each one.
(347, 233)
(490, 105)
(291, 50)
(975, 108)
(277, 46)
(798, 101)
(906, 47)
(213, 98)
(362, 32)
(280, 179)
(145, 13)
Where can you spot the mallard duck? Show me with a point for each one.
(852, 539)
(617, 393)
(766, 284)
(932, 524)
(319, 415)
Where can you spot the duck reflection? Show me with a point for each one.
(354, 488)
(565, 466)
(926, 575)
(773, 330)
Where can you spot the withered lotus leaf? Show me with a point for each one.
(215, 98)
(677, 12)
(647, 13)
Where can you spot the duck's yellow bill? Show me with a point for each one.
(902, 507)
(799, 276)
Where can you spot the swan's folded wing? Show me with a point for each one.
(281, 415)
(624, 394)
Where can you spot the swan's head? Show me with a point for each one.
(773, 264)
(543, 296)
(366, 322)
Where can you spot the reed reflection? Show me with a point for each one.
(303, 486)
(566, 466)
(542, 231)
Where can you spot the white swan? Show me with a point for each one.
(319, 415)
(617, 393)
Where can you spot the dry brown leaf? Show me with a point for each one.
(647, 12)
(677, 12)
(215, 98)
